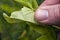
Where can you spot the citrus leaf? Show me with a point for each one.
(7, 8)
(34, 4)
(10, 20)
(47, 33)
(25, 3)
(24, 14)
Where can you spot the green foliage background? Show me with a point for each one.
(18, 31)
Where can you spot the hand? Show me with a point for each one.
(48, 12)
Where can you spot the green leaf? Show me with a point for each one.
(1, 27)
(25, 3)
(24, 14)
(47, 33)
(56, 26)
(29, 3)
(7, 8)
(10, 20)
(24, 38)
(21, 24)
(34, 4)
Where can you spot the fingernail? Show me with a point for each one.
(42, 15)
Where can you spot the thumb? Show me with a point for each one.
(48, 14)
(50, 2)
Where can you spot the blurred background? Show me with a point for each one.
(11, 31)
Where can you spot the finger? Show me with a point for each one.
(48, 14)
(50, 2)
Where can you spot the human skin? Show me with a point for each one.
(48, 12)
